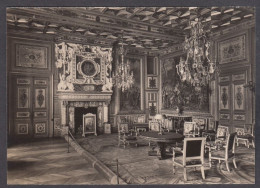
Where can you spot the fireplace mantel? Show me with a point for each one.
(85, 97)
(70, 100)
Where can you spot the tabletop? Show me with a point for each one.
(165, 137)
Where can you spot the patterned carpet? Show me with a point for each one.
(136, 167)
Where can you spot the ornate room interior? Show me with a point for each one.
(90, 74)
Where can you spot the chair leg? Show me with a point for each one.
(234, 162)
(174, 170)
(210, 160)
(253, 143)
(227, 165)
(185, 173)
(202, 172)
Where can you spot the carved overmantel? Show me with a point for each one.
(83, 68)
(70, 101)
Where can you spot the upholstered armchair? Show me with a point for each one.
(225, 153)
(245, 135)
(191, 129)
(191, 156)
(222, 133)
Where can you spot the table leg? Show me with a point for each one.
(161, 152)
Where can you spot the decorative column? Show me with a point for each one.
(71, 118)
(99, 117)
(105, 112)
(64, 112)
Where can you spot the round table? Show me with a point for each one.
(162, 140)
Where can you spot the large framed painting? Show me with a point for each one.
(233, 49)
(239, 97)
(224, 97)
(130, 100)
(89, 124)
(176, 93)
(31, 56)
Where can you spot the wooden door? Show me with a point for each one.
(29, 101)
(234, 99)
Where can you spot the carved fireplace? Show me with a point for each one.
(73, 105)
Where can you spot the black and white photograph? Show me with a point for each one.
(143, 95)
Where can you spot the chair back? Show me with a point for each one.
(193, 148)
(240, 131)
(230, 146)
(189, 127)
(123, 128)
(222, 131)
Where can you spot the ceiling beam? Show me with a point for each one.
(54, 18)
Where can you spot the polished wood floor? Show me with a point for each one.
(48, 162)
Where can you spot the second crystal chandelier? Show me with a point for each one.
(197, 68)
(124, 78)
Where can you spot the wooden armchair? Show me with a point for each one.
(191, 129)
(222, 133)
(225, 153)
(192, 155)
(211, 131)
(125, 136)
(246, 135)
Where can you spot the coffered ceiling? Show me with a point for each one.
(149, 28)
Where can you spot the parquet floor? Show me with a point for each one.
(46, 162)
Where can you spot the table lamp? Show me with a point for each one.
(159, 118)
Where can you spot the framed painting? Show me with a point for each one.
(224, 97)
(131, 100)
(89, 124)
(233, 49)
(30, 56)
(239, 97)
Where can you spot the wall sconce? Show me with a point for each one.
(250, 85)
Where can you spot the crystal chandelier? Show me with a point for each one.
(124, 79)
(197, 69)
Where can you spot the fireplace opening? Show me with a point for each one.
(79, 112)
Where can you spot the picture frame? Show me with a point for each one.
(233, 49)
(89, 124)
(31, 56)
